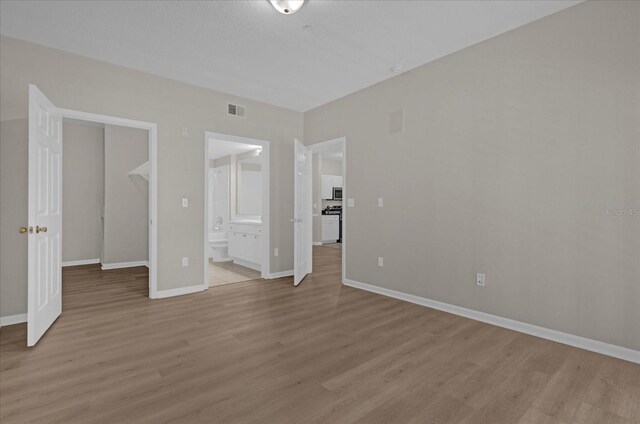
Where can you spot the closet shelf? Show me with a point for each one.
(142, 170)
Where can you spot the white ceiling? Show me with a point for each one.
(326, 50)
(221, 148)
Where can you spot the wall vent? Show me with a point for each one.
(235, 110)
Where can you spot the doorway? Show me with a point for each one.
(329, 217)
(236, 209)
(106, 196)
(45, 211)
(137, 176)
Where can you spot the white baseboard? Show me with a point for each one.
(161, 294)
(13, 319)
(81, 262)
(317, 243)
(280, 274)
(118, 265)
(246, 264)
(522, 327)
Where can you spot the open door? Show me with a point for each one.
(45, 215)
(302, 213)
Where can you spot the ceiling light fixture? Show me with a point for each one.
(287, 7)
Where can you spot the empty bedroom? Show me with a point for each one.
(320, 212)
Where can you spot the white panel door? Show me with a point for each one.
(302, 213)
(45, 215)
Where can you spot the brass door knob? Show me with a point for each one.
(23, 230)
(41, 229)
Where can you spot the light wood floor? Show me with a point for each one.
(221, 273)
(334, 245)
(266, 352)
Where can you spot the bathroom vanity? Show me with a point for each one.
(245, 243)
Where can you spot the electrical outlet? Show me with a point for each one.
(185, 261)
(380, 202)
(185, 202)
(185, 132)
(480, 278)
(380, 261)
(276, 252)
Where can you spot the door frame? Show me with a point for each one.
(152, 129)
(266, 199)
(316, 148)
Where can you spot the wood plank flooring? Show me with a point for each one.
(266, 352)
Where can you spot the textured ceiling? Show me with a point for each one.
(326, 50)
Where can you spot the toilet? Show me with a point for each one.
(219, 246)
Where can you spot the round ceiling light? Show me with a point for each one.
(287, 7)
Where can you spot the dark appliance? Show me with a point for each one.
(335, 210)
(337, 193)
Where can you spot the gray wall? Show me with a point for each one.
(126, 198)
(512, 151)
(83, 194)
(79, 83)
(331, 167)
(13, 214)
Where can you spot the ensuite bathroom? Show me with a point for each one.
(236, 195)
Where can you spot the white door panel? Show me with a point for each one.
(45, 215)
(302, 213)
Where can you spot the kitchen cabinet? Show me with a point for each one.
(330, 228)
(328, 182)
(245, 245)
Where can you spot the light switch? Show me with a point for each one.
(185, 261)
(380, 202)
(185, 132)
(185, 202)
(351, 203)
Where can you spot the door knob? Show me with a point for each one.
(23, 230)
(41, 229)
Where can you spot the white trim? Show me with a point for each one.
(13, 319)
(152, 128)
(81, 262)
(280, 274)
(162, 294)
(265, 266)
(118, 265)
(522, 327)
(317, 243)
(247, 264)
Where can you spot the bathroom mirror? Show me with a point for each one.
(249, 187)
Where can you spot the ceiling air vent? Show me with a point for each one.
(235, 110)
